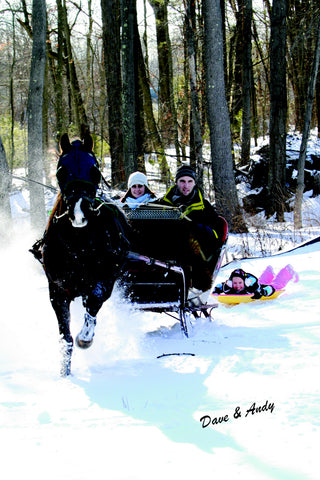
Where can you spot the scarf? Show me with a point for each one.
(134, 203)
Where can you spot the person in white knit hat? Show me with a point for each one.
(138, 192)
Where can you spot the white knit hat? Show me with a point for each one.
(137, 178)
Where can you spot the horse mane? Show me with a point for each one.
(56, 209)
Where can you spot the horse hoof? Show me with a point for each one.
(83, 343)
(84, 338)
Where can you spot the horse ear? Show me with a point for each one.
(65, 143)
(84, 131)
(88, 143)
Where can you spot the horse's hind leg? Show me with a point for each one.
(60, 302)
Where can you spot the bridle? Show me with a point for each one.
(73, 203)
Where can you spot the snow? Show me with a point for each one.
(127, 414)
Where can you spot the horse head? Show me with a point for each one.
(78, 176)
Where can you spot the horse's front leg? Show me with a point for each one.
(93, 302)
(60, 301)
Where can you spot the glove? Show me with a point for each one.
(267, 290)
(257, 294)
(218, 289)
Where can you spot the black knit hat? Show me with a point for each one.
(185, 171)
(238, 273)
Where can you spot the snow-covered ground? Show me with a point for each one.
(129, 413)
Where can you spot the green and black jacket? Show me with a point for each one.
(194, 206)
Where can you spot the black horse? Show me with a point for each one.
(84, 245)
(83, 251)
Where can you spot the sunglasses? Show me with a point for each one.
(137, 186)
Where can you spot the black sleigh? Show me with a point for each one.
(162, 273)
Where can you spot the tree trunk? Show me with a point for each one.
(111, 44)
(11, 92)
(218, 119)
(34, 115)
(305, 134)
(128, 87)
(278, 110)
(300, 38)
(246, 83)
(318, 103)
(61, 118)
(5, 210)
(195, 114)
(167, 109)
(78, 106)
(154, 137)
(235, 76)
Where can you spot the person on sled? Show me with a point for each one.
(138, 192)
(243, 283)
(203, 226)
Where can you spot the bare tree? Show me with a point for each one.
(218, 118)
(78, 105)
(195, 110)
(128, 86)
(305, 134)
(111, 45)
(167, 109)
(11, 88)
(152, 138)
(246, 83)
(278, 110)
(34, 114)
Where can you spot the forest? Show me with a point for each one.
(167, 81)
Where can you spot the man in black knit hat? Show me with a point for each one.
(203, 225)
